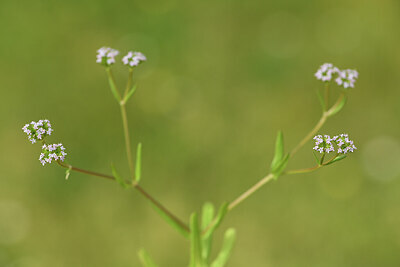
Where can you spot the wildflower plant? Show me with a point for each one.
(201, 235)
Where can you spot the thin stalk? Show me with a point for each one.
(250, 191)
(114, 89)
(303, 170)
(329, 161)
(269, 177)
(134, 185)
(320, 123)
(316, 128)
(326, 96)
(127, 139)
(129, 82)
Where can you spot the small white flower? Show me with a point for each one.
(344, 144)
(323, 144)
(325, 72)
(52, 152)
(347, 78)
(37, 130)
(133, 59)
(106, 56)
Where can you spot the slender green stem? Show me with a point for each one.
(72, 168)
(269, 177)
(329, 161)
(127, 140)
(250, 191)
(337, 103)
(115, 91)
(113, 85)
(322, 159)
(326, 96)
(304, 170)
(316, 128)
(134, 185)
(129, 82)
(312, 168)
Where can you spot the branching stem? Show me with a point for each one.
(135, 186)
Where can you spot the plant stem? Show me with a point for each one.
(85, 171)
(321, 122)
(121, 102)
(129, 83)
(316, 128)
(267, 178)
(250, 191)
(303, 170)
(134, 185)
(326, 96)
(127, 139)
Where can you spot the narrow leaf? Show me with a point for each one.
(338, 107)
(336, 159)
(138, 167)
(118, 177)
(195, 244)
(113, 87)
(281, 167)
(145, 259)
(316, 157)
(278, 152)
(68, 172)
(130, 93)
(227, 246)
(221, 214)
(207, 214)
(171, 222)
(321, 100)
(206, 219)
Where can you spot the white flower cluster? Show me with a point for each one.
(325, 144)
(133, 58)
(37, 130)
(106, 56)
(344, 143)
(52, 152)
(345, 78)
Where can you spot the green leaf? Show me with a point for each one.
(321, 100)
(316, 158)
(223, 256)
(118, 177)
(221, 214)
(145, 259)
(338, 107)
(336, 159)
(130, 93)
(182, 230)
(206, 219)
(113, 87)
(207, 214)
(138, 167)
(280, 167)
(278, 152)
(195, 244)
(68, 172)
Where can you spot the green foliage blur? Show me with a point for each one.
(222, 77)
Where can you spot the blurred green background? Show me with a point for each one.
(221, 78)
